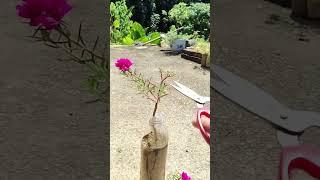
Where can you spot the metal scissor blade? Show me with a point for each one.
(301, 120)
(188, 92)
(286, 139)
(250, 97)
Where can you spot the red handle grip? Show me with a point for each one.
(205, 134)
(303, 157)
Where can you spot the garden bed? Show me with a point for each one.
(192, 55)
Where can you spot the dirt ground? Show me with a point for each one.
(130, 113)
(47, 129)
(258, 41)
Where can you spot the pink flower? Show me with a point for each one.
(185, 176)
(124, 64)
(45, 13)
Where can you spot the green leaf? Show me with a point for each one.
(155, 35)
(127, 40)
(137, 31)
(134, 35)
(144, 39)
(116, 23)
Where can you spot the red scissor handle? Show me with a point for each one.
(303, 157)
(205, 134)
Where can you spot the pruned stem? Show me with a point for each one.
(81, 46)
(152, 91)
(68, 44)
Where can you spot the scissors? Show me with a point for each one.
(290, 124)
(200, 100)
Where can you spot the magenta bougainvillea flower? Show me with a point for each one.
(184, 176)
(44, 13)
(124, 64)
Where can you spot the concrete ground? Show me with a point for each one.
(258, 41)
(47, 129)
(130, 113)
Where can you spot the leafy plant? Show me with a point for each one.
(120, 20)
(200, 18)
(124, 30)
(173, 35)
(193, 17)
(155, 20)
(181, 14)
(144, 9)
(202, 46)
(97, 80)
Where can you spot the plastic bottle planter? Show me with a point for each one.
(154, 151)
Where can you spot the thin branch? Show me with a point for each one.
(95, 43)
(79, 45)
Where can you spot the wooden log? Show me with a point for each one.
(153, 159)
(190, 52)
(197, 57)
(191, 58)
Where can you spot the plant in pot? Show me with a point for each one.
(154, 144)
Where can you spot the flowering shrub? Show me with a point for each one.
(47, 16)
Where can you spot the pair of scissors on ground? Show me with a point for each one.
(201, 101)
(290, 124)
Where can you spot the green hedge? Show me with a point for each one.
(193, 18)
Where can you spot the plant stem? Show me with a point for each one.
(153, 116)
(82, 46)
(155, 108)
(153, 93)
(159, 93)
